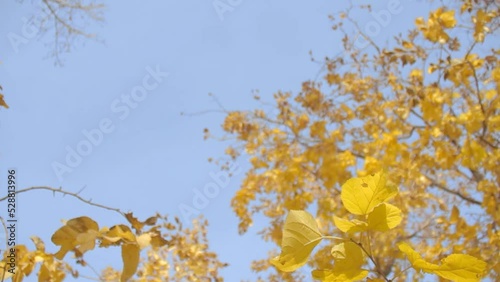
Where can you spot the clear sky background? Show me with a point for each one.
(155, 156)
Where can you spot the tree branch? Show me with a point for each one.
(61, 191)
(446, 189)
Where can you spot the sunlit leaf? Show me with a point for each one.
(361, 195)
(456, 267)
(79, 235)
(384, 217)
(350, 226)
(300, 236)
(349, 259)
(116, 235)
(130, 258)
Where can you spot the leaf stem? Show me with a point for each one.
(399, 273)
(371, 258)
(332, 238)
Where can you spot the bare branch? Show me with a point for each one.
(68, 20)
(456, 193)
(61, 191)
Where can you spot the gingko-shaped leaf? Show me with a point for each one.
(349, 259)
(130, 257)
(79, 235)
(300, 236)
(456, 267)
(361, 195)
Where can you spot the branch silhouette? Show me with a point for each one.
(61, 191)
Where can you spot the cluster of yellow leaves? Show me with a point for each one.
(434, 28)
(181, 251)
(429, 113)
(185, 258)
(80, 234)
(51, 269)
(365, 196)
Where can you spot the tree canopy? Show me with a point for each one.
(424, 108)
(393, 155)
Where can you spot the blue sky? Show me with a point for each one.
(154, 157)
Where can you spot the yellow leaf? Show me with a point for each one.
(456, 267)
(431, 111)
(432, 68)
(416, 74)
(455, 214)
(130, 257)
(4, 270)
(136, 224)
(157, 241)
(361, 195)
(332, 276)
(115, 235)
(300, 236)
(459, 267)
(39, 244)
(415, 259)
(348, 226)
(347, 267)
(447, 19)
(2, 102)
(495, 74)
(384, 217)
(44, 274)
(348, 254)
(78, 234)
(318, 129)
(143, 240)
(480, 20)
(472, 154)
(407, 45)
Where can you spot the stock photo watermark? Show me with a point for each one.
(222, 7)
(201, 198)
(29, 31)
(381, 19)
(121, 108)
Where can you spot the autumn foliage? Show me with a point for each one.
(173, 253)
(393, 156)
(425, 109)
(366, 198)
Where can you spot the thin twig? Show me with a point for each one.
(370, 257)
(59, 190)
(456, 193)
